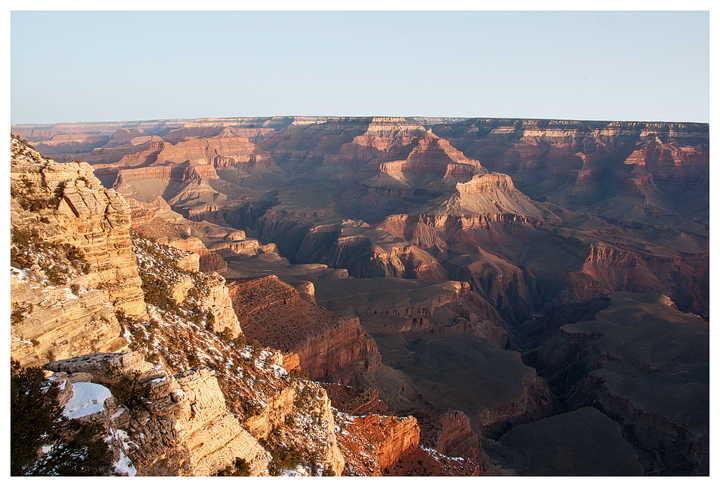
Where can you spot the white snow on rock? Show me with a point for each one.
(124, 466)
(20, 274)
(88, 398)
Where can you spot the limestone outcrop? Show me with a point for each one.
(72, 258)
(50, 322)
(171, 270)
(65, 205)
(179, 425)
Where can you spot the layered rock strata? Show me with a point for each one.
(373, 443)
(57, 323)
(65, 204)
(275, 313)
(184, 428)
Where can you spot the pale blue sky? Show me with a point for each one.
(102, 66)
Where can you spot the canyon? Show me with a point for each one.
(453, 290)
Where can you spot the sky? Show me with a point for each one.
(72, 66)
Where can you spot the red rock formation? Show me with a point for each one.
(291, 361)
(671, 161)
(385, 139)
(580, 150)
(431, 159)
(372, 444)
(165, 173)
(306, 290)
(355, 401)
(444, 231)
(457, 438)
(224, 148)
(362, 250)
(435, 153)
(337, 349)
(449, 433)
(608, 268)
(428, 462)
(70, 143)
(212, 262)
(274, 313)
(377, 445)
(394, 436)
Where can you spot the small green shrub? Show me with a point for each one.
(284, 459)
(241, 468)
(299, 374)
(226, 334)
(59, 262)
(127, 388)
(250, 409)
(240, 340)
(18, 312)
(193, 360)
(255, 349)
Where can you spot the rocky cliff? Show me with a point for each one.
(183, 427)
(374, 443)
(49, 322)
(327, 345)
(64, 205)
(187, 400)
(73, 265)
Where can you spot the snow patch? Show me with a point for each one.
(20, 274)
(88, 398)
(299, 471)
(123, 465)
(278, 370)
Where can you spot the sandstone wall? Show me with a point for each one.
(66, 204)
(60, 324)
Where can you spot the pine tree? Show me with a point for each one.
(42, 440)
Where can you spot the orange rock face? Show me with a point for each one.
(354, 401)
(457, 438)
(275, 314)
(428, 462)
(373, 443)
(212, 262)
(291, 361)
